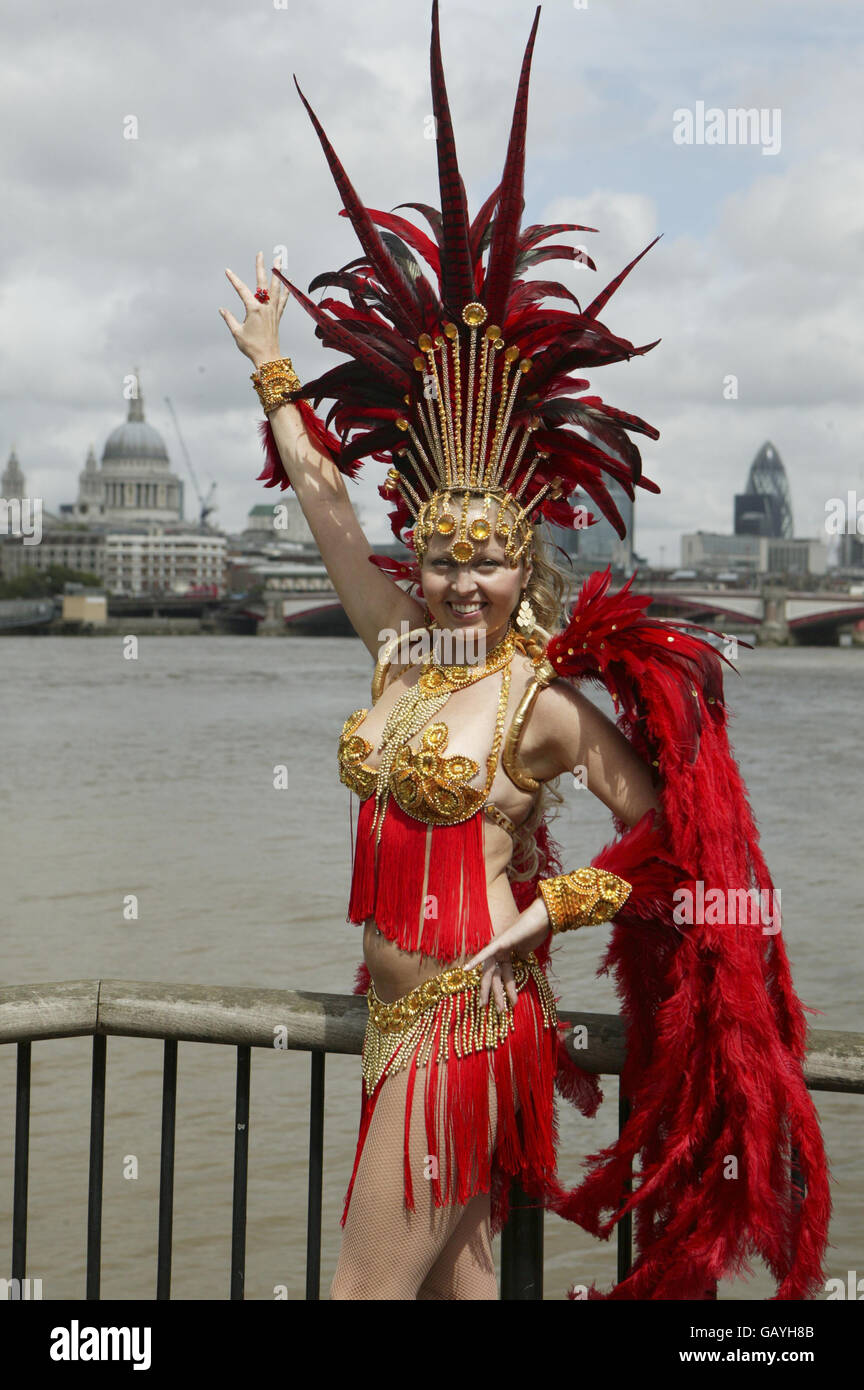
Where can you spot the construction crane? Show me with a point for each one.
(206, 504)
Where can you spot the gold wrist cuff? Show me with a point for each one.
(584, 898)
(276, 383)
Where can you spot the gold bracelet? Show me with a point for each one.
(276, 383)
(583, 898)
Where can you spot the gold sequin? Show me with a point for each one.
(424, 783)
(447, 1007)
(583, 898)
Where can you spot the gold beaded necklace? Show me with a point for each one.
(413, 710)
(436, 676)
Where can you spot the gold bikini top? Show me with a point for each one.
(427, 783)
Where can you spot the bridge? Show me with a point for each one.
(24, 615)
(775, 615)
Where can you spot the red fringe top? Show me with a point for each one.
(425, 885)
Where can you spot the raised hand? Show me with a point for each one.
(258, 336)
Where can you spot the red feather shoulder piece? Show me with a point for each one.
(723, 1140)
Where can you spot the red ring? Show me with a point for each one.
(262, 296)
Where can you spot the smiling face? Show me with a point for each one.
(479, 595)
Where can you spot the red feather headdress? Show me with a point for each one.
(465, 386)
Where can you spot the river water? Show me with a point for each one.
(155, 777)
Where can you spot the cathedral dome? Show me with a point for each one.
(135, 438)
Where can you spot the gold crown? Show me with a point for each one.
(465, 452)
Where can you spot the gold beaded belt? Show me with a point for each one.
(445, 1011)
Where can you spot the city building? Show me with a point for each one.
(126, 525)
(285, 576)
(163, 561)
(278, 521)
(764, 508)
(850, 552)
(753, 554)
(133, 482)
(595, 547)
(82, 550)
(60, 544)
(127, 562)
(12, 481)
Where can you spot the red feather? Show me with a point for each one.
(457, 279)
(532, 235)
(502, 251)
(409, 233)
(388, 272)
(605, 295)
(479, 228)
(719, 996)
(334, 335)
(396, 569)
(273, 474)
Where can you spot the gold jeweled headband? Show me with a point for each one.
(458, 456)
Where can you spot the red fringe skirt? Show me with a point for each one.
(441, 1030)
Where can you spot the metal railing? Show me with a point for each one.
(314, 1023)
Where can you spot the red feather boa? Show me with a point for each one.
(716, 1033)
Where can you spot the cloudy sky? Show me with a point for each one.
(114, 250)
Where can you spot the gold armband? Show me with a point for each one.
(276, 382)
(583, 899)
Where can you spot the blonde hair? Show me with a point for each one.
(546, 591)
(547, 586)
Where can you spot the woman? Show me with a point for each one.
(449, 762)
(442, 1252)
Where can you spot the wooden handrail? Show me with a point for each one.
(302, 1020)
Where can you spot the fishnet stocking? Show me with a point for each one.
(389, 1252)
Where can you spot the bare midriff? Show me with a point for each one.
(396, 972)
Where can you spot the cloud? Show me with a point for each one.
(114, 249)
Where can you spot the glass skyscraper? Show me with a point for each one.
(595, 547)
